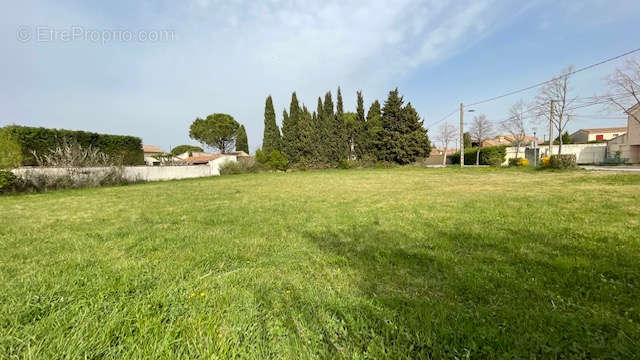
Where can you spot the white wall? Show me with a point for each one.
(143, 173)
(585, 153)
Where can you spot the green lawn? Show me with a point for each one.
(392, 263)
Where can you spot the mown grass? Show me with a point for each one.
(393, 263)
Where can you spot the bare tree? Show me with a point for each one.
(624, 88)
(481, 130)
(446, 135)
(515, 125)
(557, 90)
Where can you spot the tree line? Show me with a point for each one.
(328, 135)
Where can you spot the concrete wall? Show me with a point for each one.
(633, 127)
(141, 173)
(585, 153)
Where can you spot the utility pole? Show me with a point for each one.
(551, 128)
(535, 149)
(461, 135)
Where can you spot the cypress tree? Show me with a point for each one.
(319, 134)
(374, 130)
(271, 139)
(242, 143)
(290, 131)
(361, 138)
(341, 148)
(328, 141)
(306, 145)
(403, 139)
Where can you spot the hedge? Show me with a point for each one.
(41, 140)
(487, 154)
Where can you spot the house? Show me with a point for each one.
(627, 145)
(150, 152)
(188, 154)
(508, 140)
(200, 159)
(584, 136)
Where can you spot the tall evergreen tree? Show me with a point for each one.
(361, 138)
(242, 143)
(271, 139)
(374, 130)
(341, 146)
(403, 139)
(306, 146)
(328, 141)
(319, 134)
(291, 132)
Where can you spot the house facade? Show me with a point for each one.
(584, 136)
(627, 146)
(150, 152)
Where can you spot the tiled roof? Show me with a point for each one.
(201, 159)
(151, 149)
(600, 130)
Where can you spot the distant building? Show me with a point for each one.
(508, 140)
(150, 152)
(584, 136)
(627, 145)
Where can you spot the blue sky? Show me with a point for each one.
(227, 56)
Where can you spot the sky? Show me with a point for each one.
(149, 68)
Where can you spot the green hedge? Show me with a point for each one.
(490, 155)
(41, 140)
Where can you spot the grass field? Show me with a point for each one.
(393, 263)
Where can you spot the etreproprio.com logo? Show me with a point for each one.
(43, 33)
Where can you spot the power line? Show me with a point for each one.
(555, 78)
(543, 83)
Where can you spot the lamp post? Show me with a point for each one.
(462, 133)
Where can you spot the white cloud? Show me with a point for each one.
(228, 55)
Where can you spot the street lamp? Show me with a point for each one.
(462, 133)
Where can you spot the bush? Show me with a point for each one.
(565, 161)
(344, 164)
(127, 149)
(10, 151)
(490, 155)
(518, 162)
(275, 160)
(8, 181)
(68, 166)
(545, 162)
(242, 166)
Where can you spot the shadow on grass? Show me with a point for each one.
(468, 295)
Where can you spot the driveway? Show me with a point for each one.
(612, 168)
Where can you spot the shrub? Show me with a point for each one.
(518, 162)
(344, 164)
(489, 155)
(564, 161)
(70, 166)
(545, 161)
(8, 181)
(275, 160)
(242, 166)
(10, 151)
(127, 149)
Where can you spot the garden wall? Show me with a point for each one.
(585, 153)
(142, 173)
